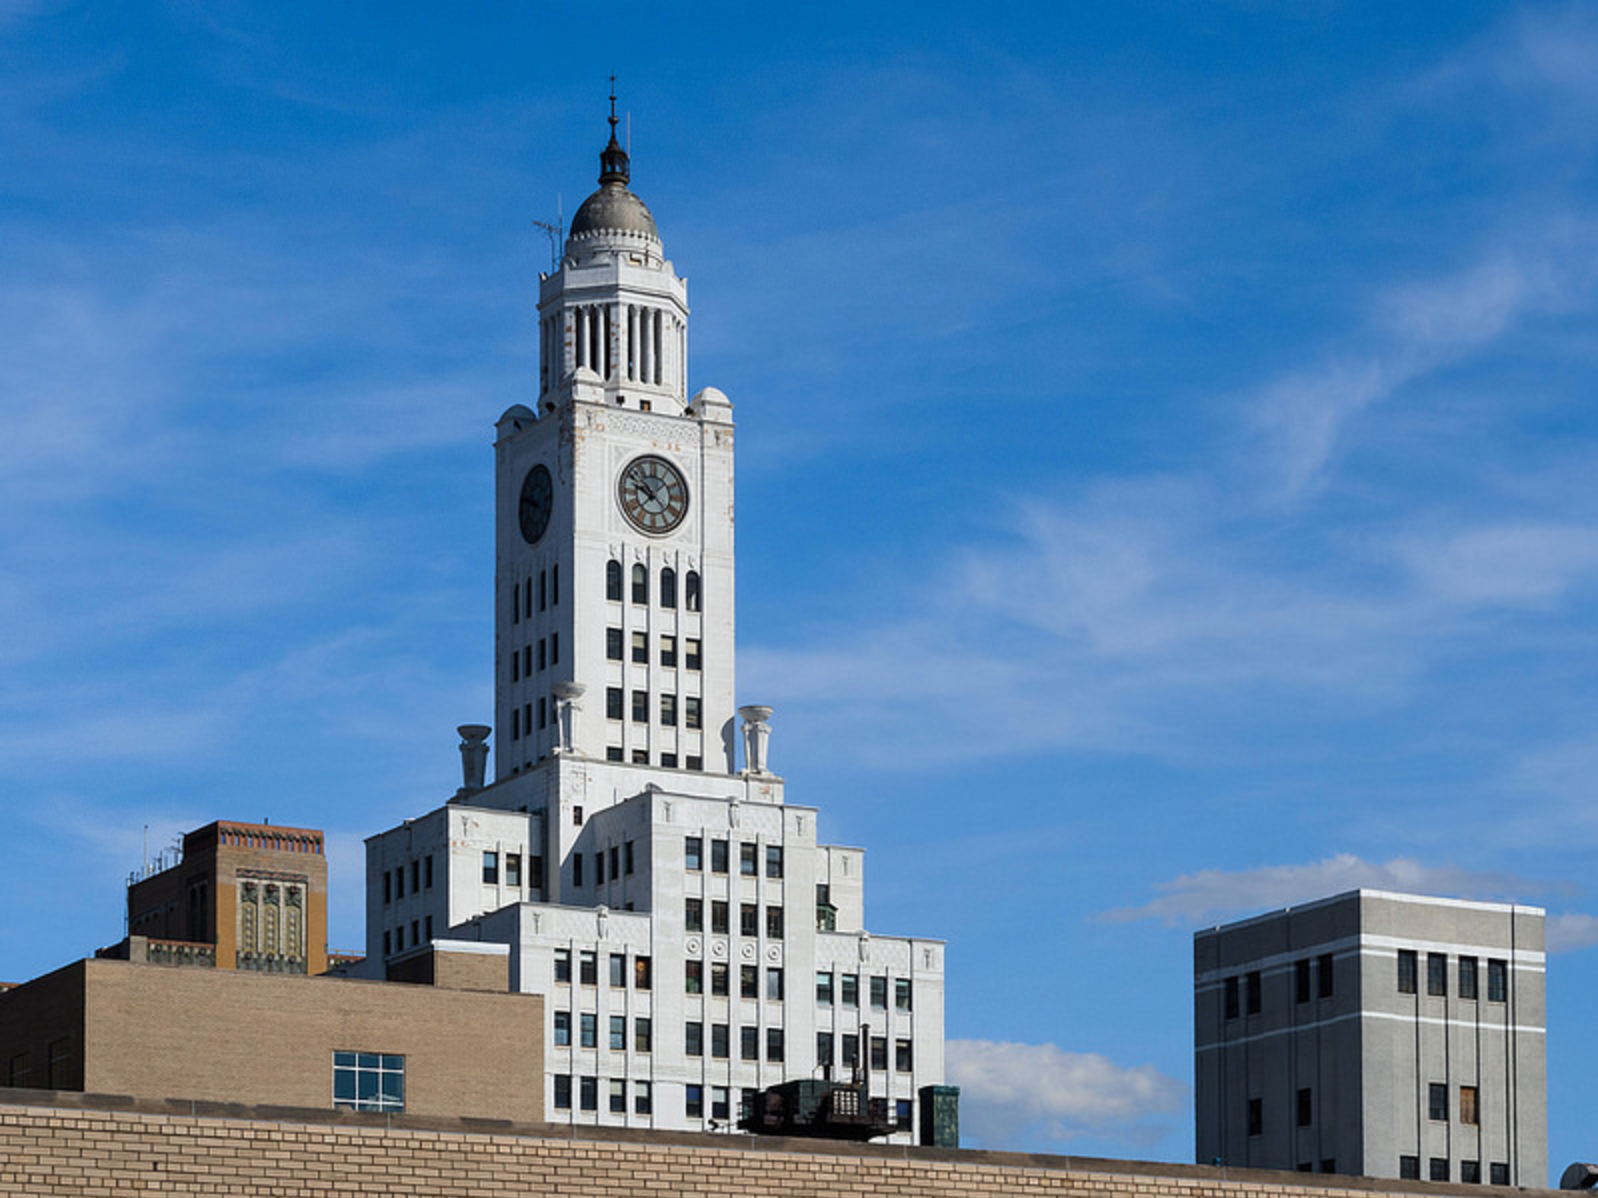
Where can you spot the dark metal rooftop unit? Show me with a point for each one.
(821, 1109)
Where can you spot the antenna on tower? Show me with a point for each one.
(556, 232)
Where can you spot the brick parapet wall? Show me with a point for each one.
(104, 1145)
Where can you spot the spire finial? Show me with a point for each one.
(613, 166)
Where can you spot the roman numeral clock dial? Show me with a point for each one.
(653, 495)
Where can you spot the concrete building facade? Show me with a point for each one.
(694, 937)
(1372, 1033)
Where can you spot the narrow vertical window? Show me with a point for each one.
(1306, 1108)
(543, 590)
(1301, 980)
(640, 583)
(691, 591)
(1468, 1111)
(1497, 980)
(1232, 1003)
(1437, 975)
(1468, 977)
(1408, 970)
(1437, 1102)
(613, 580)
(668, 587)
(554, 585)
(1326, 976)
(1252, 985)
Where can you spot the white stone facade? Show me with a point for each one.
(693, 939)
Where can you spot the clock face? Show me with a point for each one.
(653, 495)
(538, 499)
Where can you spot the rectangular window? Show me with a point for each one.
(903, 1059)
(563, 1091)
(691, 713)
(879, 1052)
(1438, 1170)
(563, 1029)
(1409, 1168)
(362, 1081)
(693, 1038)
(588, 968)
(614, 752)
(1437, 975)
(774, 923)
(719, 978)
(588, 1030)
(849, 989)
(748, 981)
(577, 869)
(749, 1043)
(694, 1101)
(748, 919)
(1256, 1117)
(642, 973)
(599, 868)
(1306, 1108)
(774, 1044)
(641, 648)
(668, 650)
(718, 856)
(1468, 1112)
(588, 1093)
(824, 988)
(1233, 1005)
(1251, 985)
(720, 1107)
(388, 887)
(513, 869)
(668, 710)
(427, 871)
(615, 862)
(416, 876)
(695, 763)
(1325, 977)
(1497, 980)
(879, 993)
(824, 1050)
(668, 761)
(618, 969)
(693, 915)
(901, 994)
(774, 985)
(614, 702)
(902, 1111)
(746, 860)
(1498, 1173)
(1468, 977)
(613, 644)
(851, 1050)
(693, 973)
(618, 1097)
(628, 857)
(535, 873)
(554, 648)
(1408, 969)
(773, 861)
(718, 917)
(691, 653)
(693, 853)
(1470, 1172)
(643, 1037)
(543, 656)
(720, 1041)
(563, 964)
(1301, 980)
(1437, 1102)
(490, 867)
(640, 707)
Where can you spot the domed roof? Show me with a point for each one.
(613, 208)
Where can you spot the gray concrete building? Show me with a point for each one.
(1377, 1034)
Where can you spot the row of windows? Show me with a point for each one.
(620, 857)
(1249, 987)
(588, 968)
(640, 585)
(748, 918)
(721, 857)
(588, 1030)
(694, 1104)
(848, 990)
(721, 1041)
(1437, 1170)
(421, 871)
(1468, 973)
(521, 596)
(548, 654)
(617, 646)
(19, 1068)
(721, 980)
(513, 869)
(668, 761)
(1437, 1108)
(616, 707)
(421, 933)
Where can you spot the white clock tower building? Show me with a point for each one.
(634, 856)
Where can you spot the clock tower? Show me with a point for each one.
(614, 628)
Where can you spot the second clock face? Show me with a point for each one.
(653, 495)
(538, 499)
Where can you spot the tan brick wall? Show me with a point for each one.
(98, 1149)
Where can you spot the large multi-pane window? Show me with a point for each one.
(368, 1081)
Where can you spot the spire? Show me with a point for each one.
(613, 166)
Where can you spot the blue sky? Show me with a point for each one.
(1166, 459)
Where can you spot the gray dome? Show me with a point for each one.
(613, 207)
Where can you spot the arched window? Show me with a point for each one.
(640, 583)
(691, 591)
(668, 587)
(613, 580)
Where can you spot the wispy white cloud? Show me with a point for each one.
(1014, 1094)
(1210, 895)
(1570, 931)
